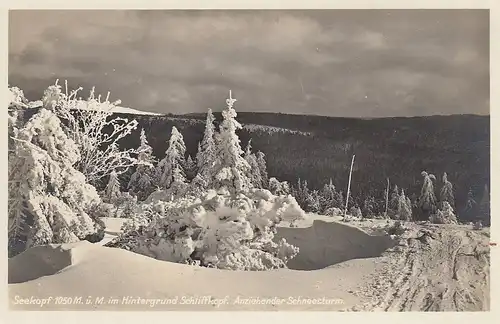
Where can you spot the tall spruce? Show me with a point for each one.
(205, 157)
(446, 193)
(170, 170)
(254, 173)
(230, 170)
(404, 207)
(261, 162)
(427, 199)
(141, 182)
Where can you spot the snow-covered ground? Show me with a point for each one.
(339, 267)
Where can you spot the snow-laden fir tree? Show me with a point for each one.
(190, 168)
(427, 199)
(112, 191)
(141, 182)
(404, 207)
(205, 157)
(313, 202)
(301, 192)
(470, 208)
(446, 193)
(279, 188)
(261, 162)
(89, 124)
(330, 197)
(484, 212)
(48, 198)
(254, 172)
(394, 202)
(369, 206)
(169, 171)
(230, 169)
(444, 215)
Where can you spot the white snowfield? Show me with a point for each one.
(339, 267)
(126, 110)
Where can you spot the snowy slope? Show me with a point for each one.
(442, 274)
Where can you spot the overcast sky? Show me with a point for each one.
(354, 63)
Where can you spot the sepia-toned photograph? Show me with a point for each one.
(249, 160)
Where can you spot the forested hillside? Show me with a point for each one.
(317, 148)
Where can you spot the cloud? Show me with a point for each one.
(331, 62)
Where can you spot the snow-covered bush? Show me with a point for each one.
(334, 211)
(49, 200)
(90, 126)
(220, 229)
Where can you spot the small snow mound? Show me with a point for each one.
(325, 243)
(45, 260)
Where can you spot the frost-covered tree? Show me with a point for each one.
(404, 207)
(254, 171)
(230, 169)
(190, 168)
(445, 215)
(446, 193)
(484, 207)
(369, 206)
(279, 188)
(394, 202)
(112, 191)
(141, 181)
(261, 162)
(313, 202)
(427, 199)
(169, 171)
(356, 212)
(205, 157)
(49, 199)
(90, 125)
(330, 197)
(301, 192)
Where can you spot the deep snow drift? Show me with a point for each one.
(425, 267)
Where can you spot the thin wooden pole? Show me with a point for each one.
(387, 198)
(348, 188)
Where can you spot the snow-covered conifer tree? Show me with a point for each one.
(446, 193)
(261, 162)
(394, 203)
(484, 211)
(278, 188)
(313, 201)
(445, 215)
(230, 169)
(169, 171)
(48, 198)
(112, 191)
(427, 199)
(190, 168)
(369, 207)
(141, 181)
(404, 207)
(254, 170)
(328, 197)
(205, 157)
